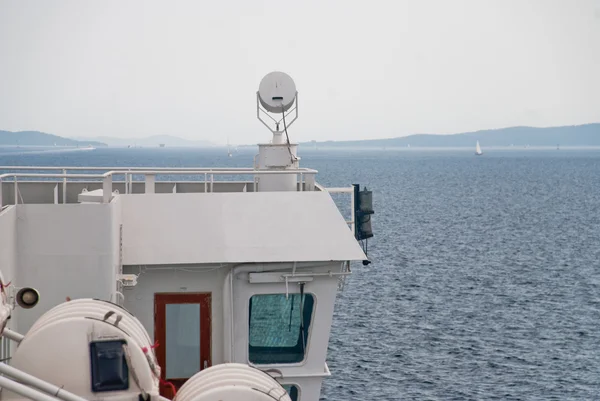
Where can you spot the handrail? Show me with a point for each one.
(343, 190)
(305, 175)
(339, 190)
(109, 168)
(157, 172)
(214, 172)
(8, 175)
(137, 169)
(149, 172)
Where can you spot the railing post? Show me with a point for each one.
(212, 182)
(309, 182)
(205, 183)
(1, 204)
(130, 183)
(106, 189)
(301, 189)
(150, 180)
(64, 188)
(16, 191)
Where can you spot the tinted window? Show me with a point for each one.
(292, 391)
(279, 328)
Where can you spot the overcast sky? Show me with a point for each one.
(363, 69)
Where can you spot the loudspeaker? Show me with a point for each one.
(27, 297)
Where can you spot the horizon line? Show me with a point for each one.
(94, 138)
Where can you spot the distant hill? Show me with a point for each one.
(36, 138)
(575, 135)
(152, 141)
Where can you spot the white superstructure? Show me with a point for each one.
(240, 275)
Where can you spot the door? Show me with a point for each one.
(182, 327)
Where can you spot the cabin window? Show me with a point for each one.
(279, 328)
(292, 391)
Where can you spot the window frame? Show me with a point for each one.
(308, 338)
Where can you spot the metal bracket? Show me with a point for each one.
(128, 280)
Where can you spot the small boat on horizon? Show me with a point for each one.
(478, 151)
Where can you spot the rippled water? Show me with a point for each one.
(485, 281)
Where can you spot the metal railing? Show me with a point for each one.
(343, 190)
(306, 177)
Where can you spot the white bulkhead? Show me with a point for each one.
(202, 287)
(234, 277)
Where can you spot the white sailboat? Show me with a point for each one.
(478, 151)
(229, 153)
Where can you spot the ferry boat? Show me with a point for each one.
(118, 285)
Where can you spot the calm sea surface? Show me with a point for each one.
(485, 281)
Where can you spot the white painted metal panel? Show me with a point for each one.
(8, 250)
(323, 289)
(65, 250)
(8, 244)
(235, 228)
(139, 300)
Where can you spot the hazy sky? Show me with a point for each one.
(363, 69)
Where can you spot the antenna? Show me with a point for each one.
(277, 95)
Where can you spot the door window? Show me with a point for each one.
(182, 327)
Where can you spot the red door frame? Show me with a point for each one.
(160, 306)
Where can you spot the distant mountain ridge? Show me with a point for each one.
(36, 138)
(574, 135)
(152, 141)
